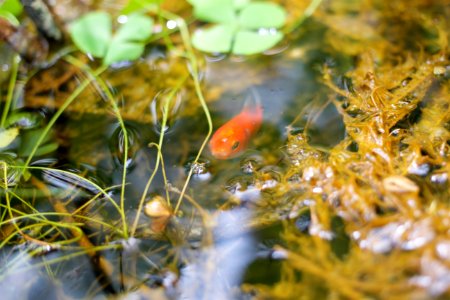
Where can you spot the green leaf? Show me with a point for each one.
(28, 140)
(92, 33)
(215, 39)
(119, 51)
(9, 17)
(12, 6)
(262, 15)
(24, 120)
(249, 42)
(138, 5)
(125, 43)
(46, 149)
(217, 11)
(7, 136)
(239, 4)
(137, 28)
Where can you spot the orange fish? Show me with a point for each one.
(233, 136)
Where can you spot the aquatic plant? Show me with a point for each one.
(386, 181)
(241, 27)
(363, 217)
(10, 10)
(92, 33)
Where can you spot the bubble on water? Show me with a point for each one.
(251, 163)
(200, 169)
(244, 188)
(270, 177)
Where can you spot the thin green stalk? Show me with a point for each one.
(194, 73)
(159, 154)
(147, 186)
(8, 205)
(202, 147)
(165, 33)
(90, 201)
(40, 217)
(78, 177)
(58, 113)
(110, 97)
(12, 84)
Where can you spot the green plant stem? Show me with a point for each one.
(20, 231)
(41, 217)
(78, 177)
(159, 154)
(165, 33)
(194, 73)
(12, 84)
(104, 87)
(309, 11)
(58, 113)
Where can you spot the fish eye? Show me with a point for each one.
(235, 145)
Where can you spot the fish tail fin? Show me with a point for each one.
(252, 99)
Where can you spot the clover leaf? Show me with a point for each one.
(218, 11)
(257, 15)
(242, 28)
(12, 6)
(10, 10)
(249, 42)
(217, 38)
(93, 34)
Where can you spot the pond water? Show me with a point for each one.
(338, 194)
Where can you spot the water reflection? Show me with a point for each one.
(215, 271)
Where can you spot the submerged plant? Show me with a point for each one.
(240, 26)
